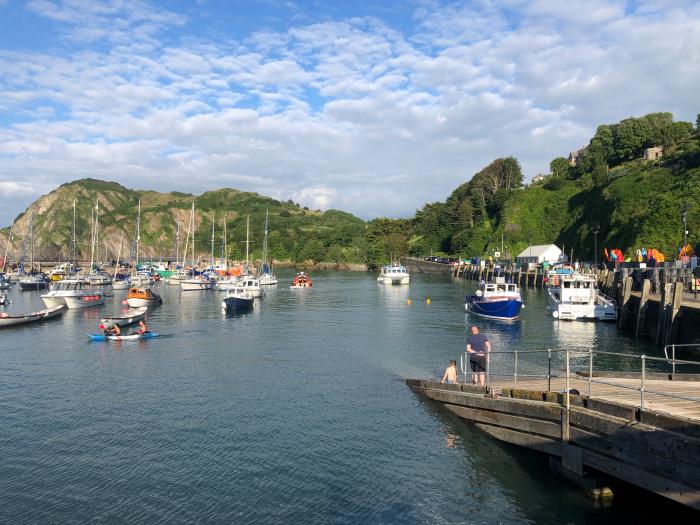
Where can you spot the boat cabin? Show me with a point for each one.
(140, 293)
(67, 285)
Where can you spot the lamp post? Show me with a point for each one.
(596, 229)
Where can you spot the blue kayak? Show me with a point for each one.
(125, 337)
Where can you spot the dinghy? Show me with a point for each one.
(131, 316)
(7, 320)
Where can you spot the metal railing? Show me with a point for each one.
(641, 387)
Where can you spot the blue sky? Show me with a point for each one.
(374, 108)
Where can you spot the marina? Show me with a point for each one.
(206, 367)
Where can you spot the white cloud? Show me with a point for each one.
(328, 112)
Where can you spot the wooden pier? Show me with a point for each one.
(589, 438)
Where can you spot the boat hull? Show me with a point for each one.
(195, 285)
(41, 315)
(505, 310)
(386, 279)
(84, 301)
(127, 319)
(236, 304)
(29, 286)
(128, 337)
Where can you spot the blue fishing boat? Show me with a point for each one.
(499, 300)
(237, 300)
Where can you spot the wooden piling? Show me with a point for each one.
(672, 329)
(664, 310)
(641, 310)
(624, 303)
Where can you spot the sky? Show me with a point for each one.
(370, 107)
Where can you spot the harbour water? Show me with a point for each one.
(293, 413)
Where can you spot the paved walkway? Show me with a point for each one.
(614, 390)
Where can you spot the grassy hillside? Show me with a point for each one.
(632, 202)
(295, 233)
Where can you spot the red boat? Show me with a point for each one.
(301, 280)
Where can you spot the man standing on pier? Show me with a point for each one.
(478, 347)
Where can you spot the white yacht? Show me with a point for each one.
(393, 274)
(574, 296)
(198, 283)
(70, 292)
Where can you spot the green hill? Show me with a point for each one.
(296, 233)
(631, 201)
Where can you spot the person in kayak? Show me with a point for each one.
(114, 330)
(142, 327)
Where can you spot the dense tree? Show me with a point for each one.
(559, 166)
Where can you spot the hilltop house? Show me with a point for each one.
(654, 153)
(573, 156)
(538, 178)
(549, 253)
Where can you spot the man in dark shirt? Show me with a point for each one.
(478, 347)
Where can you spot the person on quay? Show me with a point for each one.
(478, 348)
(450, 376)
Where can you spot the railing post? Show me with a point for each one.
(641, 388)
(488, 370)
(515, 371)
(549, 369)
(673, 361)
(567, 379)
(590, 372)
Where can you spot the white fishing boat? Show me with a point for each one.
(99, 279)
(139, 297)
(122, 284)
(237, 300)
(252, 287)
(393, 273)
(60, 290)
(85, 299)
(575, 297)
(33, 282)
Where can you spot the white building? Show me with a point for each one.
(549, 253)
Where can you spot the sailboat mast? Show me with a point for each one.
(177, 238)
(92, 237)
(264, 254)
(7, 248)
(119, 256)
(97, 231)
(212, 238)
(31, 241)
(138, 234)
(247, 241)
(192, 229)
(73, 242)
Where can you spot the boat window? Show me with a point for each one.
(567, 284)
(511, 287)
(587, 285)
(501, 287)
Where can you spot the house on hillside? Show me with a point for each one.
(538, 178)
(654, 153)
(549, 253)
(573, 156)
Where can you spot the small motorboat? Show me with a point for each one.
(99, 279)
(69, 287)
(36, 281)
(198, 283)
(7, 320)
(393, 273)
(573, 296)
(140, 297)
(499, 300)
(85, 299)
(125, 337)
(237, 300)
(252, 286)
(301, 281)
(131, 316)
(4, 301)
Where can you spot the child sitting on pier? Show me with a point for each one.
(450, 373)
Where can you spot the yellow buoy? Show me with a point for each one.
(427, 300)
(408, 302)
